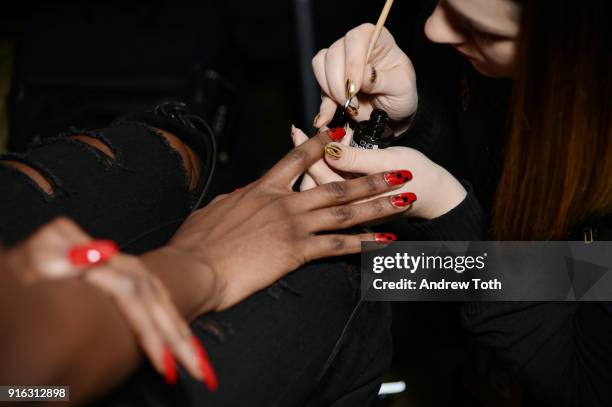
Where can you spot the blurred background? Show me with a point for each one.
(245, 68)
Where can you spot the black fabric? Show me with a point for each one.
(305, 339)
(145, 184)
(271, 349)
(466, 222)
(561, 353)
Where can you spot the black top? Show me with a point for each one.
(561, 353)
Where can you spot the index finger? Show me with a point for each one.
(356, 43)
(297, 161)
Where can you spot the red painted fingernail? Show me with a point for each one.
(98, 251)
(403, 200)
(337, 133)
(398, 177)
(210, 378)
(170, 372)
(385, 237)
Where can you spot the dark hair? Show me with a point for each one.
(558, 164)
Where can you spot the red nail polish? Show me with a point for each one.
(210, 378)
(170, 372)
(398, 177)
(403, 200)
(337, 133)
(385, 237)
(98, 251)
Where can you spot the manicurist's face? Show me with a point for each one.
(483, 31)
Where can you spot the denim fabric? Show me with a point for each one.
(305, 340)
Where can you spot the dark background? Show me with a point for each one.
(82, 65)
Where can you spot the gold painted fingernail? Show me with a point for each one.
(333, 151)
(374, 75)
(351, 89)
(316, 119)
(352, 110)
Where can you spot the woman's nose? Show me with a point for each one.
(439, 28)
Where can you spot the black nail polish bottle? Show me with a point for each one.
(374, 133)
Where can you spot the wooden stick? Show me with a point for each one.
(379, 26)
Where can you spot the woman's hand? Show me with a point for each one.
(256, 235)
(61, 249)
(387, 81)
(437, 191)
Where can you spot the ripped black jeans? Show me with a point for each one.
(307, 340)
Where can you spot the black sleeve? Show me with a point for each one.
(467, 221)
(560, 352)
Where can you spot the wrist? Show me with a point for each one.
(449, 193)
(193, 285)
(452, 194)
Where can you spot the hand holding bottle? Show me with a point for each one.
(435, 191)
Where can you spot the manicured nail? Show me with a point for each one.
(170, 372)
(385, 237)
(337, 133)
(210, 378)
(351, 89)
(316, 120)
(333, 151)
(352, 110)
(403, 200)
(98, 251)
(397, 177)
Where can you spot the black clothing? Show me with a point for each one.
(561, 353)
(306, 340)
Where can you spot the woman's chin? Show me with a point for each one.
(491, 71)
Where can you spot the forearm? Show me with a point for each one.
(66, 333)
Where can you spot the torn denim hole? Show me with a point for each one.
(53, 187)
(276, 290)
(153, 131)
(218, 330)
(112, 158)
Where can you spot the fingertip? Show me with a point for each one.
(348, 138)
(326, 112)
(92, 253)
(299, 136)
(169, 369)
(335, 155)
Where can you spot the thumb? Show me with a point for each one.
(356, 160)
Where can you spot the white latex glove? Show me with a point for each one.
(393, 88)
(436, 190)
